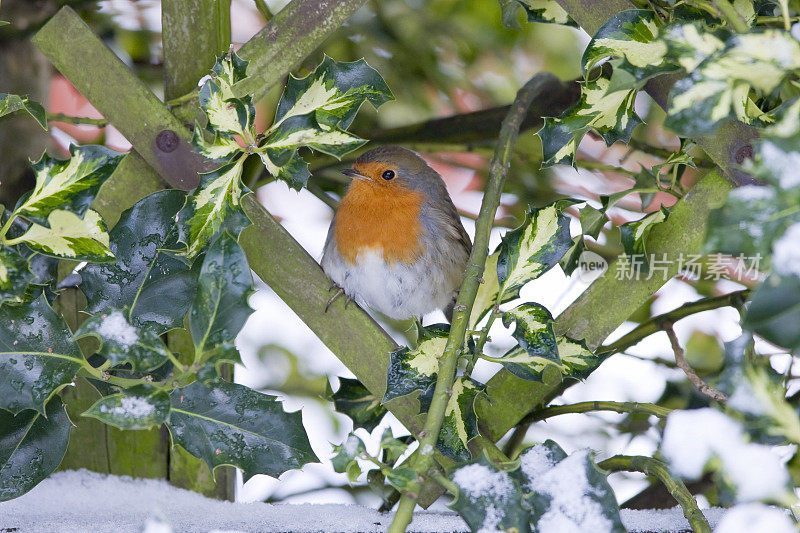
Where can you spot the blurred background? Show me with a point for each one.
(440, 58)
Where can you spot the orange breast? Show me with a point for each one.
(379, 217)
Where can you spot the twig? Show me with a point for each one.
(699, 384)
(585, 407)
(61, 117)
(657, 469)
(263, 8)
(498, 170)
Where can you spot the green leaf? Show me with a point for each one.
(344, 460)
(294, 172)
(630, 36)
(392, 448)
(15, 276)
(32, 445)
(216, 200)
(357, 402)
(297, 132)
(228, 116)
(123, 342)
(489, 499)
(230, 424)
(132, 410)
(577, 360)
(533, 330)
(37, 355)
(547, 11)
(402, 478)
(774, 311)
(213, 361)
(634, 236)
(144, 271)
(67, 235)
(460, 424)
(777, 155)
(11, 103)
(68, 185)
(221, 148)
(415, 370)
(487, 291)
(532, 249)
(220, 309)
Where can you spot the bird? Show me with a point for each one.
(396, 243)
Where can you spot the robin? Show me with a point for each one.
(396, 243)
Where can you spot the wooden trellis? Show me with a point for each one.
(162, 156)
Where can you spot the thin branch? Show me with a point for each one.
(61, 117)
(702, 387)
(498, 170)
(263, 8)
(585, 407)
(657, 469)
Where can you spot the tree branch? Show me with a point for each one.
(701, 386)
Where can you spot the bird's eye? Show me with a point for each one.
(387, 174)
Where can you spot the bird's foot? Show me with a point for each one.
(339, 292)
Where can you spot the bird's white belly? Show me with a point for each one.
(395, 289)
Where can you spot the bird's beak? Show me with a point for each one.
(353, 173)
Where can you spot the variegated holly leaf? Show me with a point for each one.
(228, 116)
(11, 103)
(304, 131)
(608, 112)
(227, 71)
(460, 424)
(634, 236)
(416, 370)
(220, 148)
(533, 330)
(537, 11)
(487, 291)
(691, 43)
(489, 499)
(70, 184)
(123, 342)
(230, 424)
(215, 201)
(294, 171)
(32, 445)
(37, 355)
(220, 309)
(577, 360)
(67, 235)
(145, 271)
(357, 402)
(346, 455)
(630, 36)
(532, 249)
(134, 409)
(15, 276)
(719, 88)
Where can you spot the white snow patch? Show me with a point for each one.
(130, 406)
(754, 517)
(477, 480)
(786, 251)
(351, 445)
(750, 193)
(744, 399)
(692, 438)
(535, 461)
(782, 164)
(115, 327)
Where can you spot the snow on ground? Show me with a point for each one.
(85, 502)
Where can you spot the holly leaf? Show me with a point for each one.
(357, 402)
(402, 478)
(145, 270)
(415, 370)
(123, 342)
(220, 148)
(67, 235)
(533, 330)
(11, 103)
(15, 276)
(303, 131)
(532, 249)
(220, 308)
(489, 499)
(392, 448)
(37, 355)
(774, 311)
(133, 409)
(70, 184)
(216, 200)
(32, 445)
(227, 116)
(230, 424)
(547, 11)
(213, 360)
(460, 424)
(634, 236)
(577, 360)
(344, 460)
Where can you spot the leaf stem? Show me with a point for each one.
(498, 170)
(701, 386)
(657, 469)
(731, 16)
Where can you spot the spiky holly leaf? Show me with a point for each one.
(532, 249)
(537, 11)
(357, 402)
(123, 342)
(533, 330)
(577, 360)
(634, 236)
(145, 271)
(228, 117)
(344, 460)
(460, 424)
(304, 131)
(220, 309)
(774, 311)
(415, 370)
(632, 37)
(11, 103)
(67, 235)
(220, 148)
(489, 499)
(138, 408)
(37, 355)
(294, 171)
(230, 424)
(69, 184)
(15, 276)
(32, 445)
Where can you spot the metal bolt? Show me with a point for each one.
(167, 141)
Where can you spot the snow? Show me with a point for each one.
(477, 480)
(786, 252)
(754, 517)
(750, 193)
(115, 327)
(535, 461)
(82, 502)
(130, 406)
(692, 438)
(781, 164)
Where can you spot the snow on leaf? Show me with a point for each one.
(11, 103)
(84, 239)
(460, 424)
(415, 370)
(139, 409)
